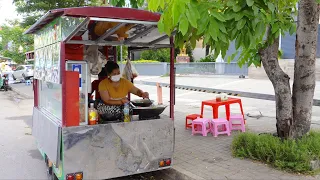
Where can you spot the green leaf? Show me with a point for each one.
(241, 23)
(203, 24)
(183, 25)
(161, 25)
(271, 7)
(191, 17)
(275, 28)
(223, 37)
(206, 40)
(250, 2)
(213, 29)
(255, 10)
(231, 3)
(234, 33)
(176, 13)
(238, 41)
(293, 29)
(260, 28)
(153, 5)
(218, 16)
(222, 28)
(236, 8)
(239, 16)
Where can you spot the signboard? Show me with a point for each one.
(78, 68)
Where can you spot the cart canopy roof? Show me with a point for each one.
(143, 31)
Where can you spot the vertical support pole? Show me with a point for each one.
(114, 53)
(63, 81)
(129, 51)
(159, 94)
(36, 92)
(172, 77)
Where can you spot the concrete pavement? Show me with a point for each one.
(210, 158)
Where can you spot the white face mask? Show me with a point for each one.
(115, 78)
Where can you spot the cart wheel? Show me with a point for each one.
(46, 160)
(49, 171)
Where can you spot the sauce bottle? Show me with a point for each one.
(126, 113)
(93, 115)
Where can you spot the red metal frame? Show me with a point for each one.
(101, 12)
(63, 82)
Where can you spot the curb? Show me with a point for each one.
(21, 93)
(185, 175)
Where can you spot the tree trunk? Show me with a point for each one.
(207, 50)
(304, 66)
(281, 85)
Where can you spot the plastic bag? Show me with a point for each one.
(129, 71)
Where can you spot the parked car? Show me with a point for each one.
(23, 72)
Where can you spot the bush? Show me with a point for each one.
(162, 55)
(291, 155)
(141, 61)
(208, 58)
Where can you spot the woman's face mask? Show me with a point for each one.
(115, 78)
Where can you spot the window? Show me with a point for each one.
(19, 68)
(50, 98)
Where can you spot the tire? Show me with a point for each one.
(5, 88)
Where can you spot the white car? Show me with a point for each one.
(23, 72)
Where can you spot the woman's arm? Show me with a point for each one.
(106, 99)
(138, 92)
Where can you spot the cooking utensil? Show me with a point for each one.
(142, 102)
(151, 112)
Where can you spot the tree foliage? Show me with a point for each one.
(12, 40)
(221, 22)
(32, 10)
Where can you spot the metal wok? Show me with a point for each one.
(142, 102)
(151, 112)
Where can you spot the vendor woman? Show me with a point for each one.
(113, 91)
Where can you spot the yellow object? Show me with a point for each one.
(102, 27)
(93, 115)
(127, 118)
(79, 176)
(183, 51)
(116, 93)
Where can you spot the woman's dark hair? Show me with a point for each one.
(110, 66)
(103, 73)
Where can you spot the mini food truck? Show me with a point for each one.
(71, 45)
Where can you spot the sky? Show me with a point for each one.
(8, 11)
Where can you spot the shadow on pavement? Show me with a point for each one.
(35, 154)
(166, 174)
(26, 119)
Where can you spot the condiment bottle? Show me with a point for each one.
(126, 113)
(93, 115)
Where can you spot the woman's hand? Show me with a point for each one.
(145, 95)
(124, 100)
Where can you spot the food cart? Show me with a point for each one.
(71, 148)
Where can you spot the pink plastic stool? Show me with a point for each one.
(220, 122)
(201, 127)
(237, 123)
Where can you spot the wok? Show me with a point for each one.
(142, 102)
(149, 112)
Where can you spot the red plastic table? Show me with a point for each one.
(215, 106)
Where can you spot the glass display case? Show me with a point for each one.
(84, 80)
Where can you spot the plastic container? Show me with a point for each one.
(93, 115)
(126, 113)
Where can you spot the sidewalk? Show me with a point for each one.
(208, 157)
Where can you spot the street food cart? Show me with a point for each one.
(72, 149)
